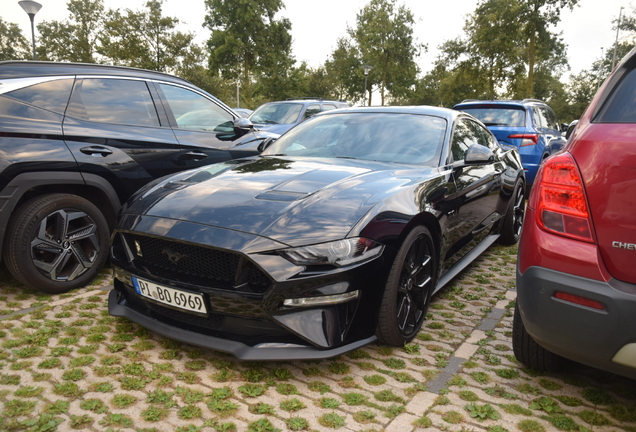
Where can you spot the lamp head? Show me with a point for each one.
(30, 7)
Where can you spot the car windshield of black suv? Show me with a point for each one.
(279, 113)
(401, 138)
(498, 116)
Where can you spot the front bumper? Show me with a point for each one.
(605, 339)
(245, 297)
(266, 351)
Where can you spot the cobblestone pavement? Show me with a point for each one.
(66, 364)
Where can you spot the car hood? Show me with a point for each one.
(273, 128)
(293, 201)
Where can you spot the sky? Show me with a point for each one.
(317, 25)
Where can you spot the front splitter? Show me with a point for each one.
(278, 352)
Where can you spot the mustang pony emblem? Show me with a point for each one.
(173, 257)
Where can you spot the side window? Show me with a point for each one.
(619, 106)
(537, 118)
(488, 138)
(328, 107)
(551, 118)
(192, 111)
(311, 111)
(466, 134)
(117, 101)
(50, 95)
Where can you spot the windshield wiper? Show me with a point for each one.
(495, 124)
(346, 157)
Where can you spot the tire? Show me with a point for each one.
(56, 242)
(408, 289)
(530, 353)
(513, 219)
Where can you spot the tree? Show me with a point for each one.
(247, 41)
(538, 16)
(13, 45)
(344, 69)
(75, 38)
(492, 41)
(384, 37)
(147, 39)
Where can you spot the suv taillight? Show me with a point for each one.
(526, 139)
(559, 198)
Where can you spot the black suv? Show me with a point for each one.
(76, 140)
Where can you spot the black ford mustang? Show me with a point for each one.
(337, 235)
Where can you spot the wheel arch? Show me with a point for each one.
(29, 185)
(430, 222)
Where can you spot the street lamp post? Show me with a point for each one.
(366, 69)
(31, 8)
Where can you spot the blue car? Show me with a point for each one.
(528, 125)
(278, 117)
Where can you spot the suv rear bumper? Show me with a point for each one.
(605, 339)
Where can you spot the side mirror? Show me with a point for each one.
(570, 129)
(242, 125)
(564, 127)
(265, 143)
(478, 155)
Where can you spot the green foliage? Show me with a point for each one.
(262, 425)
(546, 404)
(384, 36)
(319, 386)
(530, 426)
(482, 412)
(247, 41)
(292, 405)
(331, 420)
(252, 390)
(329, 403)
(297, 423)
(452, 417)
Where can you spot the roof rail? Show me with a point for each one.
(532, 100)
(470, 100)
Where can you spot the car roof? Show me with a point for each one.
(445, 113)
(23, 69)
(522, 103)
(306, 101)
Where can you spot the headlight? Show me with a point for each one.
(339, 253)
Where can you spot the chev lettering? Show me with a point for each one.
(621, 245)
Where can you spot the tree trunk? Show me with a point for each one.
(532, 26)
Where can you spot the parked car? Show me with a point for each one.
(337, 235)
(279, 117)
(576, 278)
(243, 112)
(77, 140)
(528, 125)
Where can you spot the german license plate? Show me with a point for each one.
(177, 298)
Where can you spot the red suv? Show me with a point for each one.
(576, 273)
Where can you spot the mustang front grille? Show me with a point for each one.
(194, 264)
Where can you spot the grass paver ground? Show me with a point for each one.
(65, 364)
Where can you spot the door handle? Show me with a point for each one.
(96, 151)
(195, 155)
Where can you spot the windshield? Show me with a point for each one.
(278, 113)
(402, 138)
(498, 116)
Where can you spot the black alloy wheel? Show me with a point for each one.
(408, 289)
(514, 217)
(56, 243)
